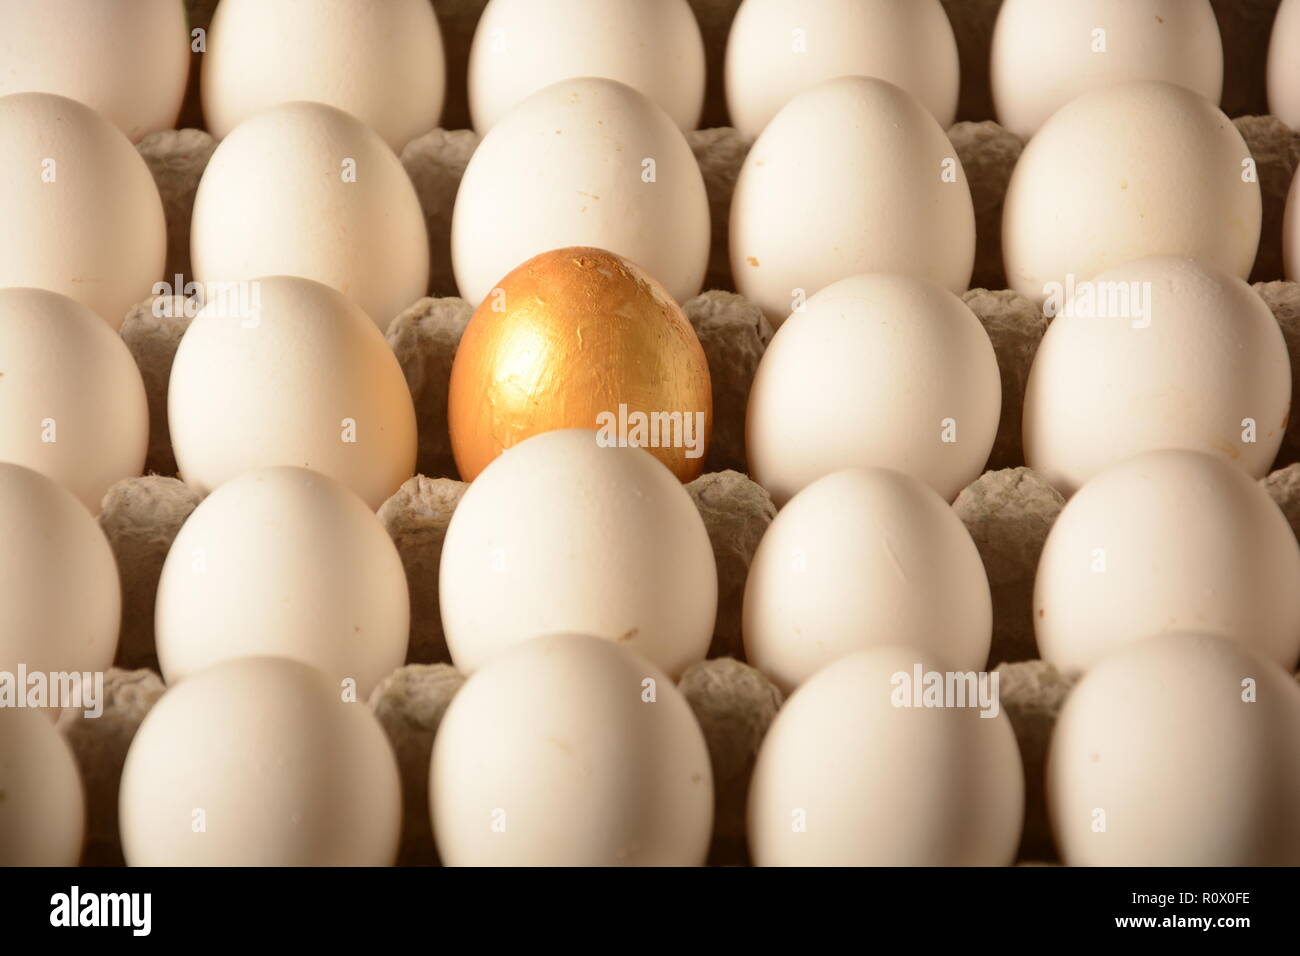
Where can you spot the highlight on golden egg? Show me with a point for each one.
(580, 338)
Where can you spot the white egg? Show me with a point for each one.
(1167, 541)
(82, 215)
(1158, 353)
(1284, 65)
(859, 558)
(60, 600)
(875, 370)
(260, 762)
(570, 751)
(583, 162)
(355, 55)
(777, 49)
(74, 405)
(560, 534)
(522, 46)
(1126, 172)
(304, 189)
(128, 60)
(1178, 751)
(42, 806)
(1046, 54)
(1291, 232)
(852, 176)
(284, 562)
(857, 771)
(291, 374)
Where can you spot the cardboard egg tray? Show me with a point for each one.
(1008, 510)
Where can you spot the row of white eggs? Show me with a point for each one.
(304, 189)
(862, 576)
(235, 568)
(1152, 168)
(530, 767)
(130, 60)
(276, 200)
(1001, 804)
(1197, 361)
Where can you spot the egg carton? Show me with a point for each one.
(436, 161)
(1008, 510)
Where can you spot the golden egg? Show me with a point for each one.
(580, 338)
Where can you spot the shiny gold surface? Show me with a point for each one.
(565, 337)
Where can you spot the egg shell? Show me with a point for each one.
(82, 213)
(849, 178)
(260, 762)
(561, 534)
(294, 375)
(305, 189)
(570, 751)
(60, 599)
(1166, 541)
(580, 338)
(1152, 169)
(64, 375)
(521, 46)
(351, 54)
(283, 562)
(859, 558)
(1158, 353)
(846, 777)
(583, 162)
(1072, 48)
(127, 60)
(1284, 65)
(1160, 759)
(871, 372)
(43, 810)
(778, 49)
